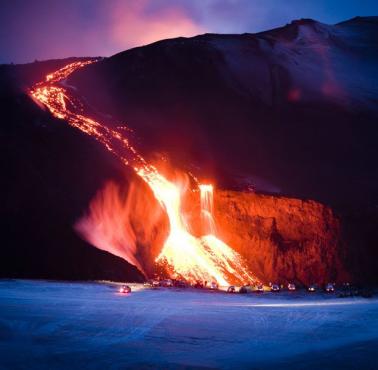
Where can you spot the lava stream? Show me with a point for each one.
(205, 258)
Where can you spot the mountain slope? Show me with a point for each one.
(291, 111)
(47, 183)
(257, 109)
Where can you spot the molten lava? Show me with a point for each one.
(193, 258)
(207, 206)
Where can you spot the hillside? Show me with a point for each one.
(290, 112)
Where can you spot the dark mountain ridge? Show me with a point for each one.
(266, 106)
(290, 111)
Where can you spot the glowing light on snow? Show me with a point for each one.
(299, 304)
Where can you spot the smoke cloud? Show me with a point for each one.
(128, 223)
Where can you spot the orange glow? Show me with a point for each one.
(130, 18)
(194, 258)
(107, 225)
(207, 206)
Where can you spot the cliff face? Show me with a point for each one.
(282, 239)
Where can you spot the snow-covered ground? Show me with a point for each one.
(59, 325)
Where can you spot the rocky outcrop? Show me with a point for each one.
(283, 239)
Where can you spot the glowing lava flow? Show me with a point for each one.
(205, 258)
(226, 257)
(207, 206)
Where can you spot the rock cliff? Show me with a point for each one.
(283, 239)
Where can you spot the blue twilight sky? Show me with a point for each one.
(44, 29)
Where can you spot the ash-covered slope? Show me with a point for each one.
(291, 110)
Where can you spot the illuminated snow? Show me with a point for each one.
(51, 325)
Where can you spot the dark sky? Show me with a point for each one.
(43, 29)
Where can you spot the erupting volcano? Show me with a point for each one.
(187, 256)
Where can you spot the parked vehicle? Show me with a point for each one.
(198, 284)
(155, 283)
(180, 284)
(312, 288)
(329, 288)
(243, 290)
(246, 289)
(167, 283)
(213, 285)
(350, 290)
(231, 289)
(124, 289)
(275, 288)
(259, 288)
(291, 287)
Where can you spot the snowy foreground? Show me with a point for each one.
(53, 325)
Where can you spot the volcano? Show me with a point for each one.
(283, 122)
